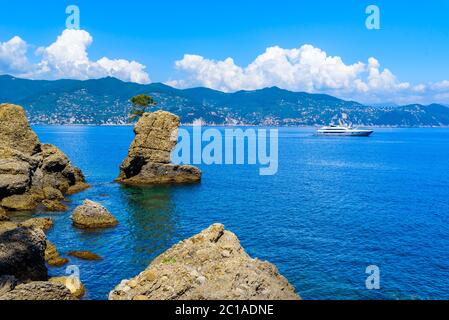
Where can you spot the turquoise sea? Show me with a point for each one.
(336, 206)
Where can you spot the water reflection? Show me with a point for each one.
(151, 218)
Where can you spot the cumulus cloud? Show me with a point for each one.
(306, 68)
(67, 58)
(13, 56)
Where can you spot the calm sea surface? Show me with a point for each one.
(336, 206)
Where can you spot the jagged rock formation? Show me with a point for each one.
(39, 290)
(148, 160)
(32, 173)
(92, 215)
(211, 265)
(22, 253)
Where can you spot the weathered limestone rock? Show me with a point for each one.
(92, 215)
(23, 202)
(7, 226)
(85, 255)
(15, 132)
(72, 283)
(22, 254)
(52, 256)
(31, 172)
(54, 206)
(51, 193)
(211, 265)
(39, 290)
(7, 283)
(44, 224)
(3, 215)
(148, 160)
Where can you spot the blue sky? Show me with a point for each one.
(413, 42)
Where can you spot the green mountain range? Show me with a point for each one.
(106, 101)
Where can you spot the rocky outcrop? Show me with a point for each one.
(92, 215)
(22, 253)
(39, 290)
(148, 160)
(31, 172)
(211, 265)
(45, 224)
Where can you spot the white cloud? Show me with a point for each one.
(13, 55)
(306, 68)
(67, 58)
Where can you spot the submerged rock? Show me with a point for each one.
(92, 215)
(31, 172)
(72, 283)
(52, 256)
(22, 254)
(85, 255)
(148, 160)
(211, 265)
(39, 290)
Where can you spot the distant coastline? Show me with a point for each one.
(239, 125)
(106, 102)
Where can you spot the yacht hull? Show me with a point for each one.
(355, 133)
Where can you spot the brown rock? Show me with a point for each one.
(22, 254)
(54, 206)
(7, 226)
(156, 173)
(156, 136)
(78, 187)
(52, 193)
(85, 255)
(52, 256)
(148, 160)
(31, 172)
(44, 224)
(92, 215)
(39, 290)
(196, 269)
(23, 202)
(15, 132)
(72, 283)
(7, 283)
(3, 215)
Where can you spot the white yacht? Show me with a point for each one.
(343, 130)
